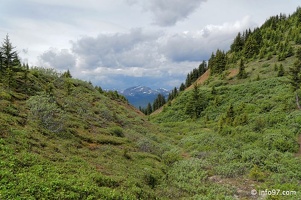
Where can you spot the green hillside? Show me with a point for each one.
(244, 128)
(63, 138)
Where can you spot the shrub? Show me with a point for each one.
(254, 156)
(117, 131)
(280, 141)
(232, 169)
(256, 174)
(172, 156)
(45, 111)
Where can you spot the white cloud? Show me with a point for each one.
(58, 59)
(140, 53)
(168, 12)
(198, 45)
(132, 49)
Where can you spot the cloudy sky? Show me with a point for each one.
(122, 43)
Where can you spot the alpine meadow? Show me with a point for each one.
(231, 130)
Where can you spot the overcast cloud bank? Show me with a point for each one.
(143, 53)
(118, 44)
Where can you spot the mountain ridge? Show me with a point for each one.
(140, 96)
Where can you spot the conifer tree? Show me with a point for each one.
(202, 68)
(1, 61)
(9, 56)
(195, 104)
(158, 102)
(188, 80)
(67, 74)
(280, 71)
(295, 76)
(237, 44)
(182, 87)
(251, 47)
(217, 62)
(149, 109)
(242, 72)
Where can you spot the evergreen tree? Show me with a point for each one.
(237, 44)
(26, 72)
(158, 102)
(188, 80)
(1, 61)
(99, 89)
(251, 47)
(295, 79)
(242, 72)
(149, 109)
(67, 74)
(202, 68)
(217, 62)
(9, 55)
(182, 87)
(280, 71)
(195, 104)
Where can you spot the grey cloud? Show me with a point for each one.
(116, 50)
(140, 53)
(184, 47)
(139, 49)
(58, 59)
(168, 12)
(196, 46)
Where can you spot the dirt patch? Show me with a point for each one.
(201, 79)
(131, 107)
(244, 187)
(233, 72)
(157, 111)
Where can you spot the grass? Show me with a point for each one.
(62, 138)
(78, 144)
(257, 148)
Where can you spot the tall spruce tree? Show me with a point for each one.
(149, 109)
(242, 72)
(195, 104)
(217, 62)
(159, 102)
(237, 43)
(295, 76)
(1, 61)
(9, 55)
(182, 87)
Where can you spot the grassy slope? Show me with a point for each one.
(257, 150)
(62, 139)
(81, 145)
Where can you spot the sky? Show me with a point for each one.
(122, 43)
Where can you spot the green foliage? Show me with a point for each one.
(280, 71)
(63, 138)
(194, 75)
(9, 57)
(196, 104)
(160, 100)
(217, 62)
(45, 111)
(256, 174)
(172, 156)
(242, 72)
(117, 131)
(251, 48)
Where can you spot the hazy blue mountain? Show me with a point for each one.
(142, 95)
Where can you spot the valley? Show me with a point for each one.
(233, 131)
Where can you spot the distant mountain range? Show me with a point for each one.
(142, 95)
